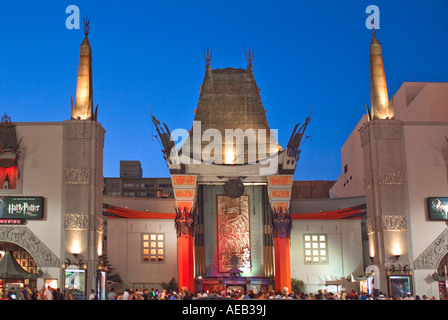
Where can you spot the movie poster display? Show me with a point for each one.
(437, 208)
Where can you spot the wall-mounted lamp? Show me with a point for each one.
(397, 256)
(80, 264)
(371, 259)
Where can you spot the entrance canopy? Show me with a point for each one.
(10, 269)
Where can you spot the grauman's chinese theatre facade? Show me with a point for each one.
(232, 185)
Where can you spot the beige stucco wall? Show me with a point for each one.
(344, 241)
(41, 172)
(124, 243)
(426, 177)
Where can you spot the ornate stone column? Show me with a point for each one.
(185, 225)
(385, 187)
(281, 228)
(185, 193)
(279, 187)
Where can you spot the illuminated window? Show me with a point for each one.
(315, 248)
(153, 247)
(8, 174)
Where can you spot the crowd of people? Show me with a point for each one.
(48, 293)
(146, 294)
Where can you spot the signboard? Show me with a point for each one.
(21, 207)
(437, 208)
(12, 221)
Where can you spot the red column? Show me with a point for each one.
(184, 224)
(282, 263)
(281, 228)
(185, 261)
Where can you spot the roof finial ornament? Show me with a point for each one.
(86, 25)
(249, 56)
(208, 56)
(373, 27)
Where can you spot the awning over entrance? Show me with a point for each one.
(347, 213)
(355, 212)
(10, 269)
(116, 212)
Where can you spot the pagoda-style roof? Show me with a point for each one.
(10, 269)
(230, 99)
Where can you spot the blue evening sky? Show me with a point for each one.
(308, 54)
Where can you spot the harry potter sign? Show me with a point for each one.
(21, 207)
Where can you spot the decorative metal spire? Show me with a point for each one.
(208, 56)
(86, 25)
(249, 56)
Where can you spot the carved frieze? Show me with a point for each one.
(388, 131)
(100, 136)
(431, 257)
(23, 237)
(77, 175)
(99, 225)
(390, 176)
(394, 223)
(365, 135)
(368, 180)
(75, 221)
(370, 225)
(387, 223)
(77, 131)
(233, 232)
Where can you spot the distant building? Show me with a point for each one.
(132, 184)
(131, 169)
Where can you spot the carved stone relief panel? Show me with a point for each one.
(390, 176)
(431, 257)
(77, 175)
(233, 232)
(388, 131)
(99, 225)
(77, 131)
(394, 223)
(74, 221)
(370, 224)
(100, 136)
(365, 135)
(368, 180)
(23, 237)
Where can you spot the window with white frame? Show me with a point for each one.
(153, 247)
(315, 248)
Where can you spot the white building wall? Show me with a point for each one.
(422, 108)
(125, 252)
(344, 241)
(351, 181)
(42, 176)
(427, 177)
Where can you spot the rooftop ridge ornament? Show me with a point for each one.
(208, 56)
(6, 120)
(249, 56)
(86, 21)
